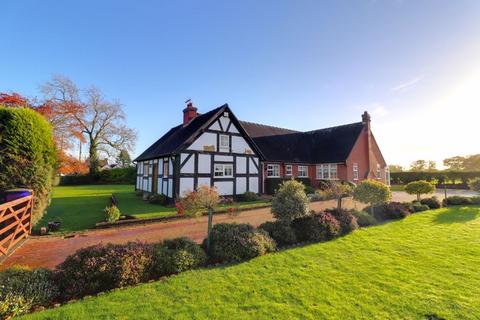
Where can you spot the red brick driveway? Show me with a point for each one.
(50, 251)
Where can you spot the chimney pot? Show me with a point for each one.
(189, 113)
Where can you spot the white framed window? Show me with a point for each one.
(223, 170)
(379, 172)
(273, 170)
(224, 142)
(333, 171)
(327, 171)
(387, 176)
(165, 169)
(302, 171)
(288, 170)
(355, 171)
(146, 167)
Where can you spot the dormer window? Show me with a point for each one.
(224, 143)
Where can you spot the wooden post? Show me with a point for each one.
(210, 218)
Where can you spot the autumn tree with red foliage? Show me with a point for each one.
(68, 165)
(13, 100)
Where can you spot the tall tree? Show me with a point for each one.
(454, 163)
(124, 160)
(418, 165)
(101, 122)
(431, 166)
(472, 163)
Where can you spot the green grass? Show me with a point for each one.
(422, 266)
(81, 207)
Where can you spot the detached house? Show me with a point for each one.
(217, 149)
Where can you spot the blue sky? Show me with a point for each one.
(414, 65)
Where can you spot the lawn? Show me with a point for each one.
(81, 207)
(423, 267)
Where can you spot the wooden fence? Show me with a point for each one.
(15, 222)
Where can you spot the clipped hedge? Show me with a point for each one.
(272, 184)
(109, 176)
(235, 242)
(316, 227)
(101, 267)
(438, 176)
(27, 154)
(177, 255)
(281, 232)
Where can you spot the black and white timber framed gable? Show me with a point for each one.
(210, 149)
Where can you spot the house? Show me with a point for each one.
(217, 149)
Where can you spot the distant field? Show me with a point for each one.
(423, 267)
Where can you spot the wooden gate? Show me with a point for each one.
(15, 222)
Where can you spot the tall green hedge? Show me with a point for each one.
(111, 176)
(440, 177)
(27, 154)
(272, 184)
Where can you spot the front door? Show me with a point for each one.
(155, 178)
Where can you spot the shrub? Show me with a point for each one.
(419, 187)
(348, 222)
(112, 213)
(432, 203)
(27, 156)
(290, 201)
(103, 267)
(22, 288)
(372, 192)
(457, 200)
(281, 232)
(160, 199)
(236, 242)
(475, 200)
(418, 207)
(309, 190)
(475, 184)
(316, 227)
(177, 255)
(390, 211)
(364, 219)
(248, 196)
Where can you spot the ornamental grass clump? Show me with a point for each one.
(290, 201)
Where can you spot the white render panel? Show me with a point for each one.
(205, 139)
(165, 186)
(204, 163)
(159, 186)
(241, 165)
(160, 166)
(225, 188)
(225, 121)
(203, 181)
(188, 167)
(170, 187)
(186, 184)
(253, 184)
(215, 126)
(241, 185)
(233, 129)
(239, 145)
(252, 169)
(223, 158)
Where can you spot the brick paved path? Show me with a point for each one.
(50, 251)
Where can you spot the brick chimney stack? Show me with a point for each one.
(190, 112)
(366, 119)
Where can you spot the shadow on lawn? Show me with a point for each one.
(457, 215)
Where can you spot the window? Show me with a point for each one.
(326, 171)
(333, 171)
(379, 172)
(165, 169)
(223, 170)
(146, 169)
(302, 171)
(273, 170)
(355, 171)
(224, 143)
(288, 170)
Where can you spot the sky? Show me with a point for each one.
(413, 65)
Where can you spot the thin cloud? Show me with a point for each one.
(408, 84)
